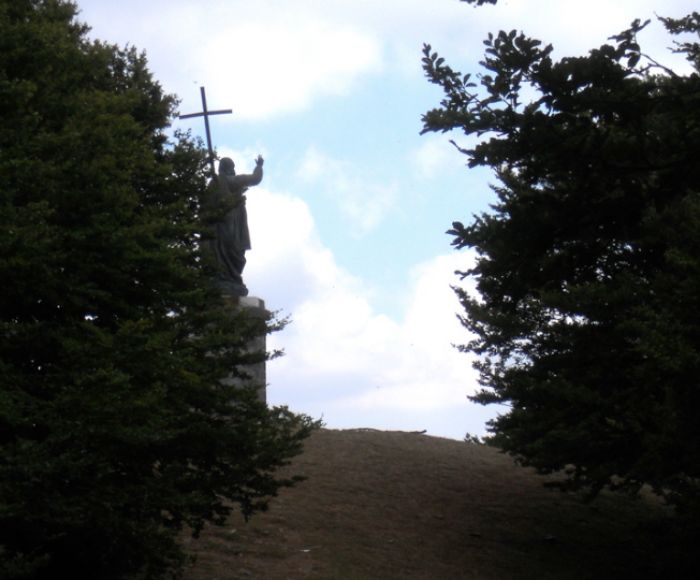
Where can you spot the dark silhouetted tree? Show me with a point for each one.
(115, 430)
(587, 319)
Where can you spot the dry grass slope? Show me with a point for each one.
(394, 505)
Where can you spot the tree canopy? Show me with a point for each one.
(587, 318)
(116, 430)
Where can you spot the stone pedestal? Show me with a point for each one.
(254, 307)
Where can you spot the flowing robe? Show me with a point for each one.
(230, 237)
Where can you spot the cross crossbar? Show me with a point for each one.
(206, 113)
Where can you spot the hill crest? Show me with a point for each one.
(388, 504)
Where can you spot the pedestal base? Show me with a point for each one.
(254, 307)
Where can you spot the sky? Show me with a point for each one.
(348, 225)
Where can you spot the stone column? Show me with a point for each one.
(254, 307)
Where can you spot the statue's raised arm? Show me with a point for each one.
(230, 236)
(227, 171)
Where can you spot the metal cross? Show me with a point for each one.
(205, 113)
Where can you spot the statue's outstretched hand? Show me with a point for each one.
(259, 161)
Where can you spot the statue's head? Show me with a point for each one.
(227, 166)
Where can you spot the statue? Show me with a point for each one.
(229, 235)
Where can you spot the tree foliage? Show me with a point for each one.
(115, 429)
(479, 2)
(587, 319)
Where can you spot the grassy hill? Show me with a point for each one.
(396, 505)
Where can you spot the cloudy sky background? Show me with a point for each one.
(348, 224)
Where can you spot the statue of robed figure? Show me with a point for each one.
(229, 237)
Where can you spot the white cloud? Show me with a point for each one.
(282, 62)
(343, 360)
(287, 264)
(266, 57)
(363, 202)
(427, 371)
